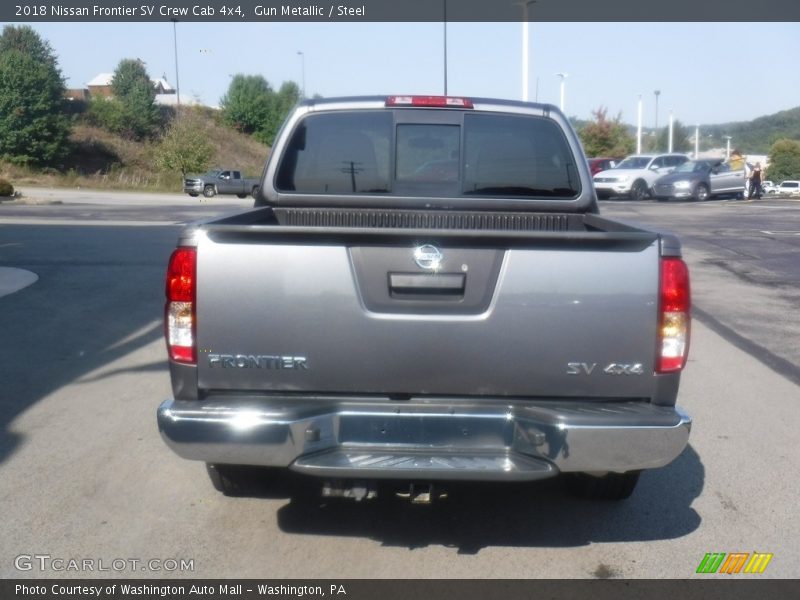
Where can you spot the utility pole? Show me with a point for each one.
(525, 4)
(445, 47)
(639, 128)
(563, 77)
(303, 74)
(177, 80)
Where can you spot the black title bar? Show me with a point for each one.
(299, 11)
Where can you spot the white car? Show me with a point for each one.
(788, 188)
(768, 187)
(635, 175)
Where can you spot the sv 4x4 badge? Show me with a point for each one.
(575, 368)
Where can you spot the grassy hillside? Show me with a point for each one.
(752, 137)
(757, 136)
(99, 159)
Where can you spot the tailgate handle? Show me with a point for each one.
(439, 284)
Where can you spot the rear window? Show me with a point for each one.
(475, 154)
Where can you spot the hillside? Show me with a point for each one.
(752, 137)
(100, 159)
(757, 136)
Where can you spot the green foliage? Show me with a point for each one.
(185, 147)
(246, 106)
(134, 91)
(33, 126)
(758, 135)
(604, 137)
(681, 139)
(252, 106)
(6, 189)
(281, 105)
(108, 113)
(784, 160)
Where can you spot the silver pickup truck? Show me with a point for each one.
(220, 181)
(425, 292)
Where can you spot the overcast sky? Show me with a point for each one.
(707, 73)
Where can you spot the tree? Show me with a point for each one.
(33, 126)
(680, 138)
(252, 106)
(784, 160)
(134, 90)
(247, 103)
(602, 137)
(185, 147)
(281, 105)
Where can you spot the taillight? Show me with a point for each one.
(674, 316)
(429, 101)
(180, 309)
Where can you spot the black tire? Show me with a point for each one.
(194, 194)
(254, 192)
(613, 486)
(701, 193)
(241, 195)
(238, 480)
(209, 191)
(638, 190)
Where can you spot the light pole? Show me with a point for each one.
(563, 77)
(445, 46)
(177, 80)
(696, 141)
(639, 128)
(727, 147)
(525, 52)
(657, 93)
(670, 130)
(303, 72)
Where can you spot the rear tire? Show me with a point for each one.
(241, 195)
(238, 480)
(254, 192)
(613, 486)
(209, 191)
(194, 194)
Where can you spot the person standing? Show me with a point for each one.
(755, 182)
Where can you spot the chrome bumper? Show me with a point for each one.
(442, 440)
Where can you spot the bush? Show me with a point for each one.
(6, 189)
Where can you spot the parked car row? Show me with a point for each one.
(635, 176)
(785, 188)
(674, 176)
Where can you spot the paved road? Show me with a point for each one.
(84, 474)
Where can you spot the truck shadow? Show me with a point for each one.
(98, 299)
(542, 514)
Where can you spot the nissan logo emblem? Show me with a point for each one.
(428, 257)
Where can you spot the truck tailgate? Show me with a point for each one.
(511, 314)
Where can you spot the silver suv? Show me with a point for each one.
(635, 175)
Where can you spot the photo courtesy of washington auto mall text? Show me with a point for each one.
(178, 590)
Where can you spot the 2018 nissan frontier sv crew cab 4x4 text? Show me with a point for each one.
(425, 292)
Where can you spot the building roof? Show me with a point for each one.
(105, 79)
(172, 100)
(101, 79)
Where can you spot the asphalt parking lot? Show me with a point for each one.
(85, 474)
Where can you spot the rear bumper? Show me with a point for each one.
(442, 440)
